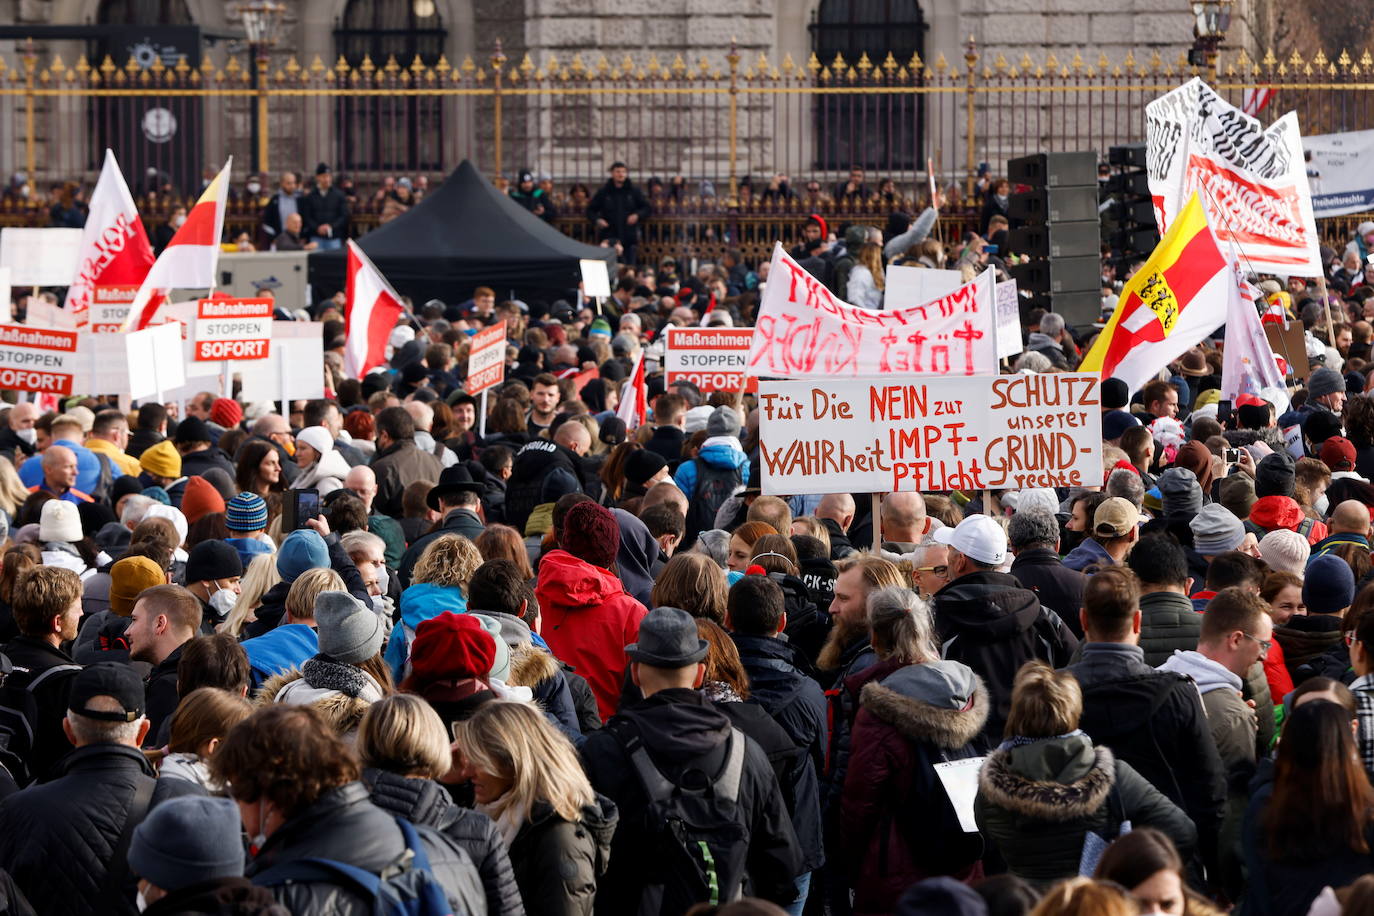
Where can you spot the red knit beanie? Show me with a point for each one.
(200, 499)
(590, 533)
(226, 412)
(451, 646)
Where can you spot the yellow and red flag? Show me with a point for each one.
(190, 258)
(1177, 298)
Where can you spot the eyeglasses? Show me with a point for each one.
(939, 571)
(1264, 644)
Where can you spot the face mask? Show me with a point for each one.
(254, 187)
(383, 579)
(29, 435)
(1321, 505)
(141, 901)
(178, 221)
(222, 601)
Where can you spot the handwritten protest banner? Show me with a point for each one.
(803, 331)
(887, 436)
(713, 359)
(1252, 179)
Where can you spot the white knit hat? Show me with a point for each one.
(59, 522)
(1285, 551)
(318, 438)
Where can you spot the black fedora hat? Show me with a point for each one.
(667, 639)
(456, 479)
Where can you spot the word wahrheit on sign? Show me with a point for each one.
(37, 359)
(803, 331)
(713, 359)
(109, 307)
(487, 359)
(233, 329)
(886, 436)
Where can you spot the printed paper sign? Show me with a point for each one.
(803, 331)
(37, 359)
(713, 359)
(1251, 179)
(933, 434)
(1341, 172)
(40, 257)
(109, 307)
(960, 781)
(487, 358)
(1008, 320)
(233, 329)
(596, 281)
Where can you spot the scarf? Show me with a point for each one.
(324, 673)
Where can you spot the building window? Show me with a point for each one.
(390, 133)
(877, 131)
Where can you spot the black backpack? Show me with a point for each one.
(713, 487)
(19, 717)
(101, 493)
(697, 839)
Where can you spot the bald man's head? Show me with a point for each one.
(421, 414)
(59, 468)
(904, 517)
(838, 507)
(573, 436)
(22, 415)
(1350, 517)
(363, 481)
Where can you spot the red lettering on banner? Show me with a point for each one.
(231, 349)
(31, 380)
(1252, 214)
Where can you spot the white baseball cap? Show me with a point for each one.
(977, 537)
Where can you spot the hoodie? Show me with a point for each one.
(588, 620)
(637, 559)
(419, 603)
(1208, 675)
(718, 452)
(325, 475)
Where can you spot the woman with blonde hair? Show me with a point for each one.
(527, 777)
(1086, 897)
(404, 749)
(200, 721)
(258, 579)
(439, 583)
(866, 277)
(1046, 787)
(12, 490)
(693, 582)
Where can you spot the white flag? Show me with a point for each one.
(114, 245)
(1248, 364)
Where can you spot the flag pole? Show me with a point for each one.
(877, 524)
(1326, 310)
(482, 420)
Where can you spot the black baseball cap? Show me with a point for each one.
(108, 679)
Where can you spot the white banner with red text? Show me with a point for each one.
(935, 434)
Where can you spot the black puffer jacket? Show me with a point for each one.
(345, 826)
(1167, 622)
(424, 801)
(988, 621)
(558, 863)
(75, 820)
(1036, 803)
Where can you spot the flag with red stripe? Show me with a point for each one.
(634, 407)
(114, 245)
(371, 312)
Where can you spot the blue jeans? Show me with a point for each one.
(325, 244)
(803, 884)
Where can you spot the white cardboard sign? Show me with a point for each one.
(596, 281)
(293, 370)
(40, 257)
(930, 434)
(907, 285)
(1008, 320)
(155, 360)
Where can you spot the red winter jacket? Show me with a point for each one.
(588, 620)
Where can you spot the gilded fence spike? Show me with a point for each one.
(57, 63)
(1295, 59)
(1344, 60)
(1026, 62)
(417, 66)
(825, 74)
(916, 65)
(889, 63)
(108, 65)
(82, 66)
(468, 66)
(230, 68)
(156, 66)
(1000, 64)
(131, 66)
(207, 66)
(762, 63)
(1320, 60)
(526, 65)
(813, 64)
(1283, 70)
(1156, 62)
(1102, 62)
(1051, 62)
(864, 64)
(838, 63)
(341, 67)
(1366, 61)
(603, 66)
(1129, 62)
(1077, 63)
(317, 66)
(941, 65)
(788, 64)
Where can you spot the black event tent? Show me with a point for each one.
(462, 235)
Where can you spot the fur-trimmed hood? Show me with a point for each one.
(530, 666)
(1008, 779)
(343, 711)
(921, 720)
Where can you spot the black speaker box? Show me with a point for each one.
(1057, 240)
(1053, 170)
(1058, 275)
(1055, 205)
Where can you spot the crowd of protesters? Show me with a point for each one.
(539, 662)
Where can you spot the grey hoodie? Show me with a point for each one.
(1208, 674)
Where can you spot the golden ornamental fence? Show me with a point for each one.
(726, 127)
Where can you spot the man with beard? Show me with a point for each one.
(164, 619)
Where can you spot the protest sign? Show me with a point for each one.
(233, 329)
(40, 257)
(803, 331)
(713, 359)
(153, 357)
(906, 285)
(37, 359)
(487, 359)
(935, 434)
(40, 313)
(1251, 179)
(294, 369)
(596, 281)
(1341, 172)
(109, 307)
(6, 312)
(1008, 320)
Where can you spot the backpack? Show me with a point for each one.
(101, 493)
(19, 718)
(696, 839)
(713, 487)
(407, 887)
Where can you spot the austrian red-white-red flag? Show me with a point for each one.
(190, 258)
(634, 396)
(370, 314)
(114, 245)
